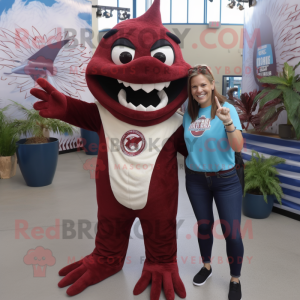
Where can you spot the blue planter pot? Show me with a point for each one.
(254, 206)
(90, 141)
(38, 161)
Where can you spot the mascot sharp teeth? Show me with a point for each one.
(138, 78)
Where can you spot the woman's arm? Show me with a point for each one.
(235, 139)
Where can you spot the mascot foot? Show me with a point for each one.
(161, 274)
(88, 271)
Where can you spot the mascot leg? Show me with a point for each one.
(160, 266)
(109, 254)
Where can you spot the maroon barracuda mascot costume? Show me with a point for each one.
(138, 77)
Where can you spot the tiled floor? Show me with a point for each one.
(271, 268)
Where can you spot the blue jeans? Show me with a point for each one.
(227, 192)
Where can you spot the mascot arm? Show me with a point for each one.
(180, 142)
(56, 105)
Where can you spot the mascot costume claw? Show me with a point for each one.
(138, 77)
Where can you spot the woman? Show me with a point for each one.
(212, 132)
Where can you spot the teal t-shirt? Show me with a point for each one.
(207, 142)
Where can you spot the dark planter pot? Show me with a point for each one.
(255, 207)
(286, 131)
(90, 141)
(38, 161)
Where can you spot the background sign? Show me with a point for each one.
(271, 38)
(49, 39)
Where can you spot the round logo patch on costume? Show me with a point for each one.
(200, 126)
(133, 143)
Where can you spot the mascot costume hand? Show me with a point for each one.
(139, 79)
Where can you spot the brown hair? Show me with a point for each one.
(193, 106)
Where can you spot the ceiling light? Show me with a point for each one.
(107, 14)
(240, 6)
(107, 11)
(231, 4)
(252, 3)
(99, 13)
(123, 16)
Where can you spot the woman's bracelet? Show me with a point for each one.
(228, 123)
(232, 130)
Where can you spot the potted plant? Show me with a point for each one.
(38, 154)
(246, 108)
(261, 185)
(90, 141)
(8, 139)
(286, 88)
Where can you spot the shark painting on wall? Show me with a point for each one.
(33, 44)
(41, 64)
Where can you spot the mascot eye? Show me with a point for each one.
(164, 54)
(160, 56)
(121, 55)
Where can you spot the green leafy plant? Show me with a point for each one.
(286, 88)
(34, 124)
(260, 176)
(8, 135)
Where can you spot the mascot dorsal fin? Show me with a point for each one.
(152, 15)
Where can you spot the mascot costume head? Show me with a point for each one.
(139, 79)
(139, 65)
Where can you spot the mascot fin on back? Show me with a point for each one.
(138, 77)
